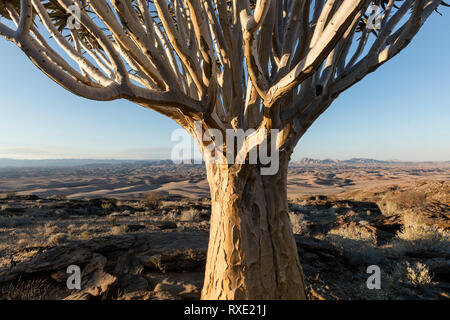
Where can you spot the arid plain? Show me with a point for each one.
(129, 180)
(139, 230)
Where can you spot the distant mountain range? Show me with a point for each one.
(306, 161)
(6, 162)
(310, 161)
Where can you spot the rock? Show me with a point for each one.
(441, 271)
(308, 269)
(164, 295)
(128, 263)
(137, 295)
(310, 257)
(167, 225)
(94, 280)
(132, 282)
(13, 210)
(79, 296)
(128, 270)
(169, 286)
(176, 251)
(178, 260)
(204, 223)
(444, 296)
(316, 246)
(60, 276)
(391, 224)
(205, 214)
(426, 254)
(176, 290)
(58, 258)
(32, 197)
(364, 258)
(444, 285)
(61, 212)
(190, 292)
(81, 211)
(118, 214)
(135, 227)
(95, 211)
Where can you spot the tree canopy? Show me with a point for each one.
(232, 64)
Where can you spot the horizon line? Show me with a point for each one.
(168, 159)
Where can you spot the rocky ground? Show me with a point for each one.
(155, 248)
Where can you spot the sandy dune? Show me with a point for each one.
(132, 180)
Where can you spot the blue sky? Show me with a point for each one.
(402, 111)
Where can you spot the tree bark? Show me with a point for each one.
(252, 252)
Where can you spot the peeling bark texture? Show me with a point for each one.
(252, 252)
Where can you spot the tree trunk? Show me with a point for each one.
(252, 252)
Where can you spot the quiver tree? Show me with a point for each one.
(229, 65)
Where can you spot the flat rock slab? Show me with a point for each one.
(159, 251)
(176, 249)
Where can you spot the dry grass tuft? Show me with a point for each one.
(35, 289)
(118, 230)
(57, 238)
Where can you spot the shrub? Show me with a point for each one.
(190, 215)
(401, 201)
(297, 221)
(406, 274)
(411, 199)
(8, 195)
(353, 233)
(357, 245)
(153, 198)
(85, 235)
(421, 236)
(416, 235)
(418, 274)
